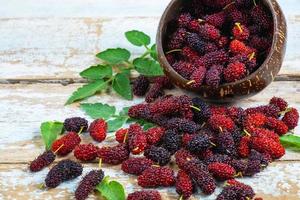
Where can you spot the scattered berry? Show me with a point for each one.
(98, 129)
(267, 145)
(184, 184)
(221, 123)
(291, 118)
(66, 144)
(279, 102)
(121, 135)
(85, 152)
(136, 165)
(75, 124)
(171, 140)
(114, 155)
(154, 135)
(198, 144)
(221, 171)
(144, 195)
(140, 85)
(42, 161)
(158, 155)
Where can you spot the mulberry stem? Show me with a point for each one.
(174, 50)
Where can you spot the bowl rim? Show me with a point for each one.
(168, 67)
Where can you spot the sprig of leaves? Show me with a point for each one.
(111, 190)
(50, 131)
(114, 120)
(291, 142)
(116, 67)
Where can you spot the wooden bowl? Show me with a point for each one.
(229, 92)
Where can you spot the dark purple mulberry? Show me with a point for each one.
(88, 184)
(75, 124)
(198, 144)
(140, 85)
(214, 76)
(158, 155)
(43, 160)
(177, 39)
(64, 170)
(114, 155)
(201, 110)
(144, 195)
(183, 125)
(171, 140)
(136, 165)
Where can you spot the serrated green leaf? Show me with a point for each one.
(98, 110)
(153, 52)
(114, 56)
(137, 38)
(291, 142)
(124, 111)
(121, 84)
(116, 123)
(111, 190)
(97, 72)
(49, 131)
(148, 67)
(86, 91)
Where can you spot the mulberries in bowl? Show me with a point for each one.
(223, 50)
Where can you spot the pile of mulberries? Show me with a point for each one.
(211, 143)
(217, 42)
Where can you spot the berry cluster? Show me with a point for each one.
(216, 42)
(210, 143)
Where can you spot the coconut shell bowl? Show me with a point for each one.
(226, 92)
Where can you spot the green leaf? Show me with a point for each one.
(116, 123)
(98, 110)
(49, 131)
(111, 190)
(124, 111)
(86, 91)
(148, 125)
(121, 84)
(148, 67)
(114, 56)
(97, 72)
(153, 52)
(137, 38)
(291, 141)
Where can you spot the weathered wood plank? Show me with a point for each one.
(51, 42)
(24, 107)
(279, 181)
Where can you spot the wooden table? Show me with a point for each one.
(43, 47)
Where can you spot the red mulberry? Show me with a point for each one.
(137, 143)
(279, 102)
(154, 135)
(85, 152)
(121, 135)
(234, 72)
(221, 171)
(221, 122)
(114, 155)
(177, 39)
(238, 47)
(156, 177)
(66, 144)
(98, 129)
(88, 184)
(198, 77)
(266, 145)
(136, 165)
(240, 32)
(184, 184)
(216, 19)
(277, 125)
(291, 118)
(144, 195)
(43, 160)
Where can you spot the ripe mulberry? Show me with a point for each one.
(238, 47)
(43, 160)
(221, 123)
(154, 135)
(185, 69)
(234, 72)
(263, 158)
(182, 156)
(216, 19)
(198, 144)
(158, 155)
(267, 145)
(209, 32)
(221, 171)
(253, 167)
(171, 141)
(214, 76)
(261, 17)
(198, 77)
(122, 135)
(114, 155)
(144, 195)
(236, 191)
(218, 57)
(240, 32)
(291, 118)
(85, 152)
(279, 102)
(243, 148)
(277, 125)
(75, 124)
(140, 85)
(156, 177)
(98, 129)
(225, 144)
(137, 143)
(201, 110)
(254, 120)
(88, 184)
(201, 177)
(261, 132)
(199, 45)
(154, 92)
(182, 125)
(66, 144)
(177, 39)
(64, 170)
(136, 165)
(184, 184)
(184, 20)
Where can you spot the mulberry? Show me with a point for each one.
(88, 184)
(201, 111)
(209, 32)
(144, 195)
(184, 68)
(182, 156)
(66, 144)
(253, 167)
(184, 20)
(114, 155)
(184, 184)
(234, 72)
(85, 152)
(156, 177)
(154, 135)
(238, 47)
(75, 124)
(221, 123)
(64, 170)
(121, 135)
(243, 148)
(177, 39)
(43, 160)
(199, 45)
(240, 32)
(136, 165)
(158, 155)
(214, 76)
(279, 102)
(221, 171)
(267, 145)
(182, 125)
(198, 77)
(218, 57)
(137, 143)
(277, 125)
(140, 85)
(216, 19)
(98, 129)
(261, 17)
(291, 118)
(198, 144)
(171, 141)
(225, 144)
